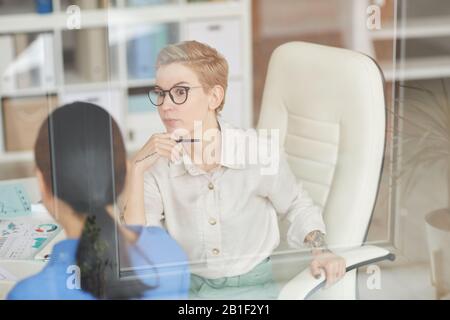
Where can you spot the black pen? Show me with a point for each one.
(177, 141)
(186, 140)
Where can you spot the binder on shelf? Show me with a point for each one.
(26, 62)
(47, 66)
(143, 49)
(93, 4)
(91, 49)
(6, 60)
(87, 4)
(91, 54)
(23, 77)
(43, 6)
(143, 46)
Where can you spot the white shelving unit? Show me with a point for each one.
(417, 22)
(225, 25)
(422, 35)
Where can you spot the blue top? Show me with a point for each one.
(157, 258)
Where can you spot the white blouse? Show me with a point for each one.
(226, 219)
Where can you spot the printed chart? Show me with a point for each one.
(23, 240)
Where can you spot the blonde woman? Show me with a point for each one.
(222, 212)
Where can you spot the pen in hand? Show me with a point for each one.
(177, 141)
(186, 140)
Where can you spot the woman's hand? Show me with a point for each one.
(132, 199)
(159, 145)
(333, 266)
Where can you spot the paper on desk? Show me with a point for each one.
(5, 275)
(14, 201)
(38, 211)
(23, 239)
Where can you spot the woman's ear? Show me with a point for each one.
(217, 94)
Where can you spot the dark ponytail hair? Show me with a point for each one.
(80, 151)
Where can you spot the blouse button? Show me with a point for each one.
(212, 221)
(215, 251)
(210, 186)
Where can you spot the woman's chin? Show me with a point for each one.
(178, 130)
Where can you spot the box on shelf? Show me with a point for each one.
(138, 101)
(22, 118)
(8, 7)
(388, 11)
(384, 50)
(109, 99)
(141, 126)
(223, 35)
(142, 118)
(233, 110)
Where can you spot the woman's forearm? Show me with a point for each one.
(315, 240)
(133, 211)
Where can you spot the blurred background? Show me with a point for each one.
(54, 52)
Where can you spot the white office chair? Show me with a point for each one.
(329, 105)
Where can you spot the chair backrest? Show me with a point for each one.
(330, 108)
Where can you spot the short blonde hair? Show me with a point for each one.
(209, 65)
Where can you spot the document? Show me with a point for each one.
(24, 239)
(14, 202)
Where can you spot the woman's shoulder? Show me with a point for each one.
(45, 286)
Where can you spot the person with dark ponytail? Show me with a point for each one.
(81, 170)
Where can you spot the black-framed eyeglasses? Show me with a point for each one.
(178, 94)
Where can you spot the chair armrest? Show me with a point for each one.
(304, 284)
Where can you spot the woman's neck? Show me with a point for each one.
(207, 155)
(73, 223)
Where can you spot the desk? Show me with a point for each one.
(21, 269)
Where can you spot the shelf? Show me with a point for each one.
(16, 156)
(93, 86)
(418, 68)
(33, 22)
(138, 83)
(29, 92)
(224, 25)
(416, 28)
